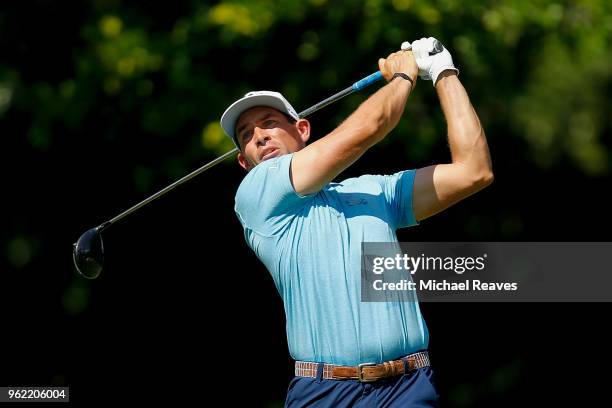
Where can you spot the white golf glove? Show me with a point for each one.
(432, 58)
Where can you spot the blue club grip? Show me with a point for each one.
(367, 81)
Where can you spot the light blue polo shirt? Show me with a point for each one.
(312, 247)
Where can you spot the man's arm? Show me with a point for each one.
(320, 162)
(440, 186)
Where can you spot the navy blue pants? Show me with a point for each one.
(415, 389)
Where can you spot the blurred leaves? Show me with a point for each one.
(20, 250)
(213, 138)
(103, 102)
(76, 297)
(537, 72)
(6, 95)
(501, 381)
(242, 19)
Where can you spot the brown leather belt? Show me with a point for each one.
(366, 372)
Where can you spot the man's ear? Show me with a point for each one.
(244, 162)
(303, 127)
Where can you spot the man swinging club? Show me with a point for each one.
(308, 230)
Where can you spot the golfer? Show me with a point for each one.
(308, 230)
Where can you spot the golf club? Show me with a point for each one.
(88, 251)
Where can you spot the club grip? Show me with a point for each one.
(367, 81)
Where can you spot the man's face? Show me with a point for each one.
(264, 133)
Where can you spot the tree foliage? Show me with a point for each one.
(102, 102)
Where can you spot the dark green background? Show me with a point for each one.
(104, 102)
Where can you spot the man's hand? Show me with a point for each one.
(401, 61)
(432, 58)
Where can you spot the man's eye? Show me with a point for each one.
(269, 122)
(247, 135)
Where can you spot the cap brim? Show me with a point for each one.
(231, 115)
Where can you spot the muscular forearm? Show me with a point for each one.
(466, 137)
(376, 117)
(318, 163)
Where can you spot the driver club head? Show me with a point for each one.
(88, 253)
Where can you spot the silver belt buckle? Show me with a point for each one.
(360, 372)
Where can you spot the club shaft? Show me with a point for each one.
(170, 187)
(357, 86)
(326, 102)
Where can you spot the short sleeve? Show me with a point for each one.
(398, 189)
(266, 200)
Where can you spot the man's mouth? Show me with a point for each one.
(268, 153)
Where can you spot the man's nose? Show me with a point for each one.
(260, 134)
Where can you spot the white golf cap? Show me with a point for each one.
(250, 100)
